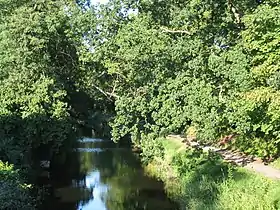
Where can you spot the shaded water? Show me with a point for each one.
(100, 176)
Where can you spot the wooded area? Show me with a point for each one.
(140, 68)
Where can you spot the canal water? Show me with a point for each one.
(99, 175)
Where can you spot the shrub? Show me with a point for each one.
(151, 148)
(14, 194)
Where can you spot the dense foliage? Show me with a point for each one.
(44, 84)
(13, 192)
(149, 67)
(45, 75)
(211, 65)
(165, 66)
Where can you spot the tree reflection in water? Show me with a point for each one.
(107, 179)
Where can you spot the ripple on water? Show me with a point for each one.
(86, 139)
(100, 149)
(90, 150)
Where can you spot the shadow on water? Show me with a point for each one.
(100, 176)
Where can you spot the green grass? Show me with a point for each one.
(172, 145)
(215, 185)
(248, 191)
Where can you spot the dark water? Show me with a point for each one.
(98, 175)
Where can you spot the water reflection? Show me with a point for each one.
(99, 176)
(98, 192)
(93, 140)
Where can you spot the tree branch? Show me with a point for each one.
(236, 13)
(112, 94)
(107, 94)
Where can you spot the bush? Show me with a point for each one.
(151, 148)
(195, 160)
(14, 194)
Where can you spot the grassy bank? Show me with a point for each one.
(200, 180)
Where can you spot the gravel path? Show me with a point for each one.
(235, 157)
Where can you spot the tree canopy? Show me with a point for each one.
(149, 67)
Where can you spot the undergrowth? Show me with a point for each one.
(14, 194)
(202, 180)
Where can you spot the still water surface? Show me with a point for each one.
(98, 175)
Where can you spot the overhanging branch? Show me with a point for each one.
(107, 94)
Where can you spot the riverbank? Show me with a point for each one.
(14, 193)
(199, 180)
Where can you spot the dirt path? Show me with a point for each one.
(234, 157)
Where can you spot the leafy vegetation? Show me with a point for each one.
(140, 69)
(42, 81)
(199, 180)
(276, 163)
(207, 64)
(13, 192)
